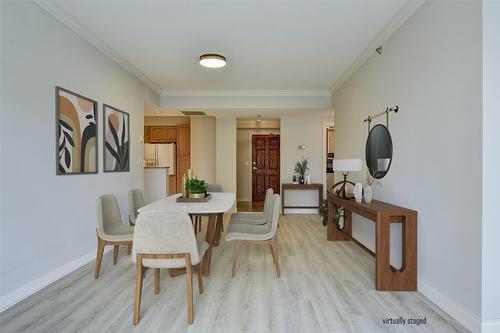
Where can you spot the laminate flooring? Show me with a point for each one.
(324, 287)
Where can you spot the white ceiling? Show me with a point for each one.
(272, 45)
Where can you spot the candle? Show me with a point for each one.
(189, 174)
(184, 192)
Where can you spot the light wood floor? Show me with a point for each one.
(325, 287)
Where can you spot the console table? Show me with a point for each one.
(284, 187)
(387, 278)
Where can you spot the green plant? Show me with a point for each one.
(302, 166)
(338, 214)
(323, 211)
(194, 185)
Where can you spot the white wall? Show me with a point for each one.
(48, 221)
(225, 143)
(203, 148)
(305, 128)
(491, 166)
(431, 68)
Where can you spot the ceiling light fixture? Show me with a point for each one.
(212, 60)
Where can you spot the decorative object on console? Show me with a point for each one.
(116, 140)
(301, 168)
(345, 166)
(76, 133)
(358, 192)
(370, 183)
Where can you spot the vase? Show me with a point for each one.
(196, 195)
(368, 193)
(301, 179)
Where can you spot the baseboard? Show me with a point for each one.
(491, 326)
(464, 317)
(301, 211)
(32, 287)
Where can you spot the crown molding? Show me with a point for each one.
(73, 24)
(247, 93)
(390, 28)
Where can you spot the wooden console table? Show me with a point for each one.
(387, 278)
(284, 187)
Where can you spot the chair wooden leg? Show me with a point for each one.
(98, 260)
(189, 291)
(138, 289)
(199, 225)
(272, 252)
(129, 249)
(276, 259)
(157, 281)
(235, 256)
(115, 254)
(200, 278)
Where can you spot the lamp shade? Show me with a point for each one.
(346, 165)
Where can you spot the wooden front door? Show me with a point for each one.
(265, 165)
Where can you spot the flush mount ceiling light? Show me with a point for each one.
(212, 60)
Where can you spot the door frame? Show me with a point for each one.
(251, 134)
(326, 124)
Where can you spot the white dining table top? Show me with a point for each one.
(219, 203)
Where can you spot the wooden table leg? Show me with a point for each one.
(210, 238)
(382, 256)
(218, 228)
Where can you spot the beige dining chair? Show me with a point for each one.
(135, 201)
(197, 218)
(110, 229)
(255, 217)
(166, 240)
(266, 233)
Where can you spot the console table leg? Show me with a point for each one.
(382, 254)
(409, 261)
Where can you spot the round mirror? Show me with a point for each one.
(379, 151)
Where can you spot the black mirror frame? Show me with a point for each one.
(366, 151)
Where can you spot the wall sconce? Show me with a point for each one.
(301, 147)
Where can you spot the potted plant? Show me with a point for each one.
(196, 188)
(300, 168)
(323, 211)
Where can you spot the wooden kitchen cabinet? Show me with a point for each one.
(157, 134)
(147, 134)
(183, 141)
(170, 134)
(183, 164)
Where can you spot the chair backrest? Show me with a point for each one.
(267, 201)
(274, 215)
(164, 233)
(108, 214)
(214, 188)
(135, 201)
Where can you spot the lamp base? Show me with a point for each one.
(341, 191)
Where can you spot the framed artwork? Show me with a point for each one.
(116, 140)
(76, 133)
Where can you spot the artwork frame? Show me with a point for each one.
(116, 144)
(76, 154)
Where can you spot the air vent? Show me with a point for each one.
(193, 113)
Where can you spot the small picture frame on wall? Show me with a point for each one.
(76, 133)
(116, 140)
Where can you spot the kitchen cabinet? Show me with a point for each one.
(183, 141)
(157, 134)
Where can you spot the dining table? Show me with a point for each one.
(215, 207)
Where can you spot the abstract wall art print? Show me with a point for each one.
(116, 140)
(76, 133)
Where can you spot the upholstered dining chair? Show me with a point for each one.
(197, 218)
(110, 229)
(166, 240)
(266, 233)
(135, 201)
(255, 217)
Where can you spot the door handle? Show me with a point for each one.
(255, 168)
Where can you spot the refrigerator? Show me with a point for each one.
(160, 155)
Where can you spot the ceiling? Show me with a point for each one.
(272, 45)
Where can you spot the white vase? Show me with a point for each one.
(358, 192)
(368, 194)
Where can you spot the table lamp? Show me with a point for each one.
(345, 166)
